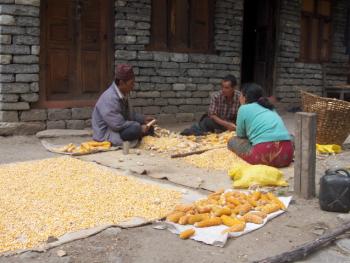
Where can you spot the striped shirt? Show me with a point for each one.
(223, 108)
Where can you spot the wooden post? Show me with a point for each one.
(305, 155)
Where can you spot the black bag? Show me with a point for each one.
(335, 191)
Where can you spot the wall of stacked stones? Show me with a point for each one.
(292, 75)
(170, 85)
(176, 85)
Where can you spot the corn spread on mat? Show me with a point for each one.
(51, 197)
(225, 214)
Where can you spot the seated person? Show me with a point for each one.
(262, 137)
(222, 111)
(112, 119)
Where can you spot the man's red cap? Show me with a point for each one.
(124, 72)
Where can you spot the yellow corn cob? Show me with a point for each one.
(184, 207)
(183, 220)
(276, 200)
(203, 209)
(187, 233)
(259, 213)
(213, 221)
(253, 218)
(222, 211)
(196, 218)
(242, 209)
(269, 208)
(235, 228)
(230, 221)
(256, 195)
(233, 200)
(175, 216)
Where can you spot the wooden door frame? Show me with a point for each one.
(43, 102)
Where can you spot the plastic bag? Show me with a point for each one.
(328, 148)
(245, 176)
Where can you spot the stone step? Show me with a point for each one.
(58, 133)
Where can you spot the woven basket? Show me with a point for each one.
(333, 117)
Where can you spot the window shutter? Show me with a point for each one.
(159, 39)
(179, 20)
(201, 25)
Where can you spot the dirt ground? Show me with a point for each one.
(302, 222)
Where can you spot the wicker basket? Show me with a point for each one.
(333, 117)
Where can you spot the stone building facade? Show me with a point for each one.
(172, 86)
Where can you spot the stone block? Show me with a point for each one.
(34, 87)
(12, 30)
(151, 110)
(143, 25)
(5, 39)
(160, 102)
(7, 20)
(59, 114)
(125, 55)
(195, 72)
(8, 97)
(148, 72)
(169, 109)
(81, 113)
(20, 128)
(30, 97)
(165, 118)
(88, 123)
(191, 87)
(119, 23)
(29, 59)
(179, 86)
(168, 94)
(176, 57)
(55, 125)
(155, 79)
(148, 94)
(161, 56)
(184, 117)
(7, 78)
(141, 102)
(172, 80)
(169, 65)
(26, 40)
(27, 21)
(28, 2)
(19, 68)
(5, 59)
(200, 94)
(8, 116)
(163, 87)
(144, 40)
(198, 58)
(145, 55)
(14, 106)
(27, 77)
(205, 87)
(177, 101)
(169, 72)
(34, 115)
(33, 31)
(193, 101)
(35, 50)
(183, 94)
(75, 124)
(125, 39)
(14, 49)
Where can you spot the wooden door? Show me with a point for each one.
(76, 51)
(265, 44)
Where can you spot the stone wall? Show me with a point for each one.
(175, 85)
(292, 75)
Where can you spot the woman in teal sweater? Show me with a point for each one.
(262, 137)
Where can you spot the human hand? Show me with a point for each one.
(231, 127)
(144, 128)
(148, 119)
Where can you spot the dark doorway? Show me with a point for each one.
(259, 38)
(76, 51)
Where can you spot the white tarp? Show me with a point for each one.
(213, 235)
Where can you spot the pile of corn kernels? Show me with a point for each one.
(218, 159)
(167, 142)
(55, 196)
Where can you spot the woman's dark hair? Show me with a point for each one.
(231, 79)
(254, 93)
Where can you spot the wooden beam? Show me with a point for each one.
(305, 155)
(307, 248)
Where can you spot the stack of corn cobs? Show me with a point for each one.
(232, 208)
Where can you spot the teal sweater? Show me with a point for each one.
(260, 124)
